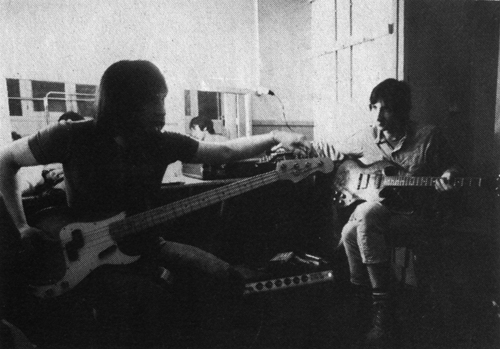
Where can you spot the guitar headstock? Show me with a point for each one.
(298, 169)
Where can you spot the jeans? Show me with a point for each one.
(366, 234)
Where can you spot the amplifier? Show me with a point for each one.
(286, 282)
(239, 169)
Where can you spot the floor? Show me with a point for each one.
(318, 316)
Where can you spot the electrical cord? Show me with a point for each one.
(271, 93)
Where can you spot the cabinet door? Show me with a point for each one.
(355, 46)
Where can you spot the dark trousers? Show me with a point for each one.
(130, 306)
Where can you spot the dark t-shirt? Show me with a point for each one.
(101, 176)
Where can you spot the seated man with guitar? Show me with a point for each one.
(113, 169)
(394, 143)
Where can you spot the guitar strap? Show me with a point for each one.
(386, 149)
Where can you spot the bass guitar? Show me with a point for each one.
(82, 246)
(355, 181)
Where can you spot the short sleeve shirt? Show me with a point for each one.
(101, 176)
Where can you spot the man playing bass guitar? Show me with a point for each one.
(113, 164)
(413, 149)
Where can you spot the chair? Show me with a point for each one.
(403, 265)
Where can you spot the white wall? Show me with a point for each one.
(354, 49)
(286, 64)
(197, 43)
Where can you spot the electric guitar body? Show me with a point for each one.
(358, 182)
(355, 181)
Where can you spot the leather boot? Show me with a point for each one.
(358, 311)
(361, 302)
(381, 333)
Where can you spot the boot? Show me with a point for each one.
(381, 333)
(361, 303)
(358, 310)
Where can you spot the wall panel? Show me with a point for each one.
(365, 51)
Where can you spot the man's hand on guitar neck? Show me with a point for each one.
(444, 184)
(293, 142)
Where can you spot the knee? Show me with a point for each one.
(372, 212)
(349, 234)
(234, 286)
(367, 209)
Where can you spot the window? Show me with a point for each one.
(85, 95)
(13, 90)
(209, 104)
(40, 90)
(187, 102)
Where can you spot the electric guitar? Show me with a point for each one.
(82, 246)
(355, 181)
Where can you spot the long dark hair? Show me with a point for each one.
(124, 88)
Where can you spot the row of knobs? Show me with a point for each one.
(278, 283)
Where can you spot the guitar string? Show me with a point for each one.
(426, 181)
(102, 238)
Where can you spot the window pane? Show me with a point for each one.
(15, 108)
(85, 103)
(187, 102)
(40, 90)
(13, 90)
(209, 104)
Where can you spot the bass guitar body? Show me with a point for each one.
(78, 248)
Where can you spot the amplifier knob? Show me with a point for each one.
(305, 278)
(278, 283)
(259, 286)
(288, 281)
(296, 280)
(269, 284)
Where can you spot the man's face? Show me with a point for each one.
(151, 118)
(385, 117)
(197, 132)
